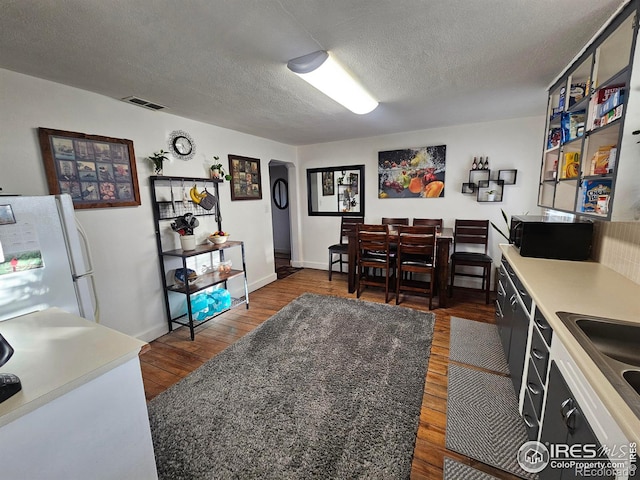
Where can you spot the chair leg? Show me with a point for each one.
(330, 263)
(398, 274)
(453, 274)
(487, 275)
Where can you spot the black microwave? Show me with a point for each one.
(557, 238)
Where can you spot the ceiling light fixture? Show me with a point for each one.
(322, 71)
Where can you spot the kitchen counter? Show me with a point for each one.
(81, 412)
(587, 288)
(56, 352)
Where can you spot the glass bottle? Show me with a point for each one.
(486, 163)
(481, 164)
(474, 165)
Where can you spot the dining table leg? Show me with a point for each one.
(442, 264)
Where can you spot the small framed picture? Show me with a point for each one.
(246, 181)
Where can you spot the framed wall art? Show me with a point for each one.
(328, 183)
(412, 172)
(97, 172)
(246, 182)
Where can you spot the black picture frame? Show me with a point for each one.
(246, 180)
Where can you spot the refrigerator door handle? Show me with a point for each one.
(85, 242)
(89, 271)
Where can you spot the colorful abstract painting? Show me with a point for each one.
(412, 172)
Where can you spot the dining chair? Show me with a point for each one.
(436, 222)
(466, 234)
(416, 254)
(394, 221)
(347, 225)
(373, 253)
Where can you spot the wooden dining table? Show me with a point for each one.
(444, 238)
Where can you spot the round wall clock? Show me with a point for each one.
(182, 145)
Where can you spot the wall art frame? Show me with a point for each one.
(412, 172)
(97, 171)
(328, 183)
(246, 180)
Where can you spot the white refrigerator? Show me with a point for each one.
(45, 259)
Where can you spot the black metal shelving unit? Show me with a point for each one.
(165, 211)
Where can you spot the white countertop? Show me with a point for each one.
(588, 288)
(56, 352)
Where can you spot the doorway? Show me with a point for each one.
(281, 218)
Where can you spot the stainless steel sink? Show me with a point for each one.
(613, 339)
(633, 378)
(614, 346)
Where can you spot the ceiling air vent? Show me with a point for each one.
(143, 103)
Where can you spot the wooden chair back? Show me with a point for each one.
(395, 221)
(348, 225)
(436, 222)
(417, 242)
(474, 232)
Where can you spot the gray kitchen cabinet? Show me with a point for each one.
(564, 423)
(512, 318)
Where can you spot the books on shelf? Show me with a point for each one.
(595, 196)
(571, 165)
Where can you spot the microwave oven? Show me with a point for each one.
(556, 238)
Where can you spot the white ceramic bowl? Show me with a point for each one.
(218, 240)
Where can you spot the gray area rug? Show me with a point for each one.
(326, 388)
(454, 470)
(483, 421)
(477, 343)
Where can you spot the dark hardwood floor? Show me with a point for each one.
(173, 356)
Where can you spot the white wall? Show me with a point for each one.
(509, 144)
(122, 239)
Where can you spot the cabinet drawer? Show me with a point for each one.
(531, 423)
(543, 326)
(535, 390)
(522, 292)
(539, 354)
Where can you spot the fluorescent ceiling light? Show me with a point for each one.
(323, 72)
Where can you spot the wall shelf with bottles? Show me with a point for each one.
(489, 187)
(585, 146)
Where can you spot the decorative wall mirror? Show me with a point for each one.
(336, 191)
(280, 194)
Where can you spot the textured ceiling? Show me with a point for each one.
(430, 63)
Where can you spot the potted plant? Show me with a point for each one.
(491, 195)
(217, 170)
(157, 159)
(184, 226)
